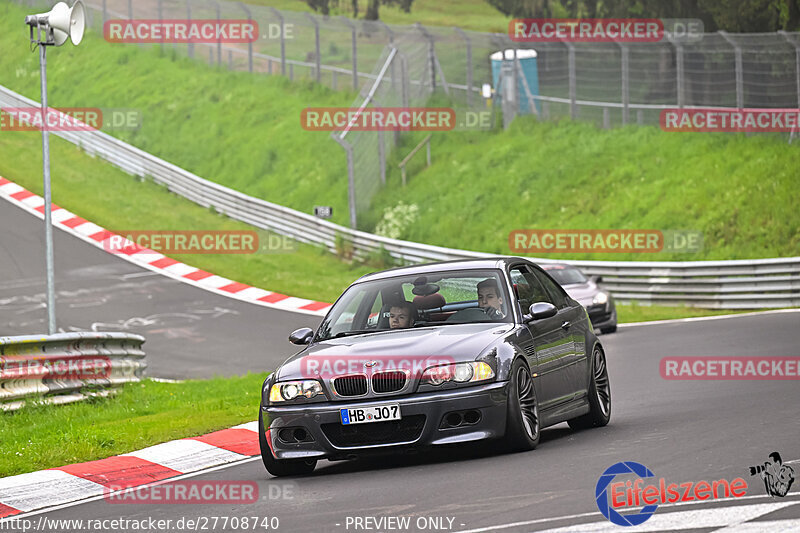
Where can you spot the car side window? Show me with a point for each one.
(557, 294)
(528, 290)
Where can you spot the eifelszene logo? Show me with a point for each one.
(777, 476)
(627, 495)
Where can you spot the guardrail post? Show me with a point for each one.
(354, 49)
(739, 74)
(190, 45)
(469, 63)
(283, 40)
(249, 44)
(316, 43)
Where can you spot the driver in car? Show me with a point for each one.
(489, 299)
(401, 315)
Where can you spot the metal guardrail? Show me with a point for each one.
(67, 367)
(744, 284)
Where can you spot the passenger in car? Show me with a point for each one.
(401, 315)
(489, 299)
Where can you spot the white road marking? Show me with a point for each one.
(187, 455)
(700, 318)
(25, 491)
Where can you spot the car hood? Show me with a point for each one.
(452, 343)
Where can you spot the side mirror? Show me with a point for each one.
(596, 279)
(541, 310)
(301, 336)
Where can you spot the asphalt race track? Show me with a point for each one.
(190, 332)
(682, 430)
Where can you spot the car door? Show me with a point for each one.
(548, 343)
(572, 321)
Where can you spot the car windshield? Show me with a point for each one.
(403, 302)
(566, 275)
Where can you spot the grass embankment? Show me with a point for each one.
(142, 414)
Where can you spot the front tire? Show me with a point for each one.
(278, 467)
(523, 427)
(599, 395)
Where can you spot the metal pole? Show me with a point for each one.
(130, 9)
(105, 13)
(680, 76)
(190, 45)
(283, 40)
(382, 157)
(160, 17)
(250, 44)
(625, 83)
(354, 48)
(48, 224)
(797, 63)
(739, 74)
(428, 149)
(219, 41)
(316, 43)
(431, 54)
(469, 63)
(573, 106)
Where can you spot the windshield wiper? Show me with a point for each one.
(353, 332)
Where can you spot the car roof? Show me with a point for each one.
(443, 266)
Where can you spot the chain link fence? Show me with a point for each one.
(609, 84)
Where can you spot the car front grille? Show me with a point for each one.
(408, 429)
(350, 385)
(390, 381)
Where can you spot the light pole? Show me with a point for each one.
(52, 28)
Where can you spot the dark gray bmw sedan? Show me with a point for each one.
(431, 355)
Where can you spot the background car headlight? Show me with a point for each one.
(600, 298)
(290, 390)
(459, 372)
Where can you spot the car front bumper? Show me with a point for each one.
(603, 316)
(420, 426)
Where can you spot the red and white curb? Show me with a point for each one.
(57, 486)
(97, 236)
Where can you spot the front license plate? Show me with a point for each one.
(364, 415)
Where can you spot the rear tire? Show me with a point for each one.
(279, 467)
(599, 395)
(523, 427)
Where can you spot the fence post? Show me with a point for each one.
(739, 75)
(130, 9)
(105, 13)
(469, 63)
(797, 63)
(431, 54)
(573, 105)
(160, 19)
(606, 118)
(219, 41)
(351, 179)
(316, 43)
(353, 48)
(404, 83)
(250, 44)
(382, 157)
(625, 83)
(190, 45)
(283, 39)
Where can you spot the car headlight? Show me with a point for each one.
(459, 372)
(600, 298)
(287, 391)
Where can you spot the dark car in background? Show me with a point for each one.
(430, 355)
(598, 302)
